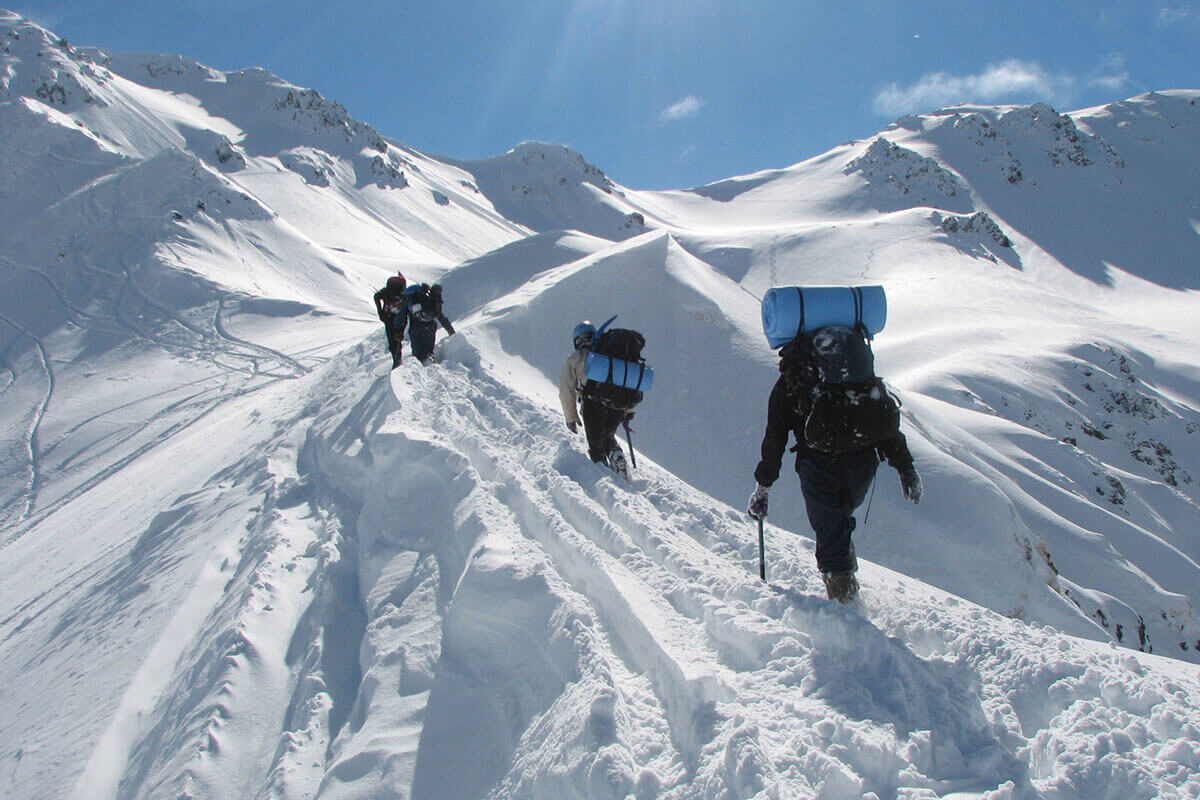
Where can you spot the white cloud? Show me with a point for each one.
(1111, 75)
(1009, 80)
(1112, 83)
(687, 107)
(1178, 14)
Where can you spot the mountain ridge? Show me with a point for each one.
(244, 560)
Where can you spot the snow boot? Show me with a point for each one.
(840, 586)
(616, 462)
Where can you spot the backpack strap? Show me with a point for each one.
(859, 304)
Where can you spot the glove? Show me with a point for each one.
(910, 484)
(757, 506)
(573, 426)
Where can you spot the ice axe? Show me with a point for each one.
(629, 440)
(762, 560)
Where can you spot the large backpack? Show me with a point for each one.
(849, 407)
(424, 301)
(390, 298)
(610, 382)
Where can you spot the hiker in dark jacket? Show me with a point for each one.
(421, 315)
(833, 485)
(389, 304)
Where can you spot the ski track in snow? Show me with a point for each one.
(38, 414)
(228, 354)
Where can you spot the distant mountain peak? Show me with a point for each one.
(905, 172)
(561, 163)
(550, 186)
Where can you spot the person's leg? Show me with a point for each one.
(833, 487)
(594, 425)
(392, 345)
(421, 336)
(612, 421)
(616, 457)
(859, 470)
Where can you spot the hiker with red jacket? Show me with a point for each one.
(389, 304)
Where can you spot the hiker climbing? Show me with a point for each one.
(389, 303)
(422, 313)
(843, 416)
(604, 378)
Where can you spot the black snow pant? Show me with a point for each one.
(394, 342)
(833, 487)
(421, 336)
(600, 423)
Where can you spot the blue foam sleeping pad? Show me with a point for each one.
(789, 310)
(624, 373)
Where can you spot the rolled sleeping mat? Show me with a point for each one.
(624, 373)
(789, 310)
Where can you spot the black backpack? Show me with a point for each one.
(425, 301)
(848, 406)
(623, 344)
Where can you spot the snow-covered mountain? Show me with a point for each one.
(240, 559)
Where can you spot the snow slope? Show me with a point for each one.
(241, 559)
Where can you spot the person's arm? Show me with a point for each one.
(775, 438)
(899, 457)
(895, 451)
(568, 387)
(379, 309)
(446, 324)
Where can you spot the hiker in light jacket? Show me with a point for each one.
(600, 422)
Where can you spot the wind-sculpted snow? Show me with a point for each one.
(240, 560)
(478, 281)
(562, 633)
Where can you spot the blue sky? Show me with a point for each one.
(663, 93)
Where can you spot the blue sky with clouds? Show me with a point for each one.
(662, 93)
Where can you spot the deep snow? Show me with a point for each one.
(241, 559)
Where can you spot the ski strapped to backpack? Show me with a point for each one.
(616, 373)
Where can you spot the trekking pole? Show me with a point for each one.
(629, 439)
(871, 499)
(762, 559)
